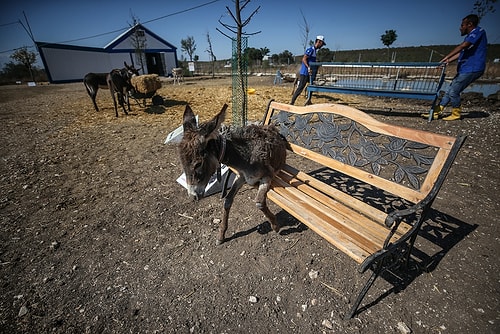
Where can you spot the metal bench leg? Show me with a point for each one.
(375, 274)
(431, 112)
(309, 97)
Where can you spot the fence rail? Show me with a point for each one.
(400, 80)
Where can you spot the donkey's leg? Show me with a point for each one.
(121, 100)
(93, 94)
(95, 103)
(112, 90)
(127, 97)
(260, 201)
(228, 202)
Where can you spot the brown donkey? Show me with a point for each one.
(254, 152)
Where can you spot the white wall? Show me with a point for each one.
(169, 61)
(72, 65)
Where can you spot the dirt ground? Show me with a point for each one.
(96, 235)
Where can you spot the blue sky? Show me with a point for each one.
(346, 25)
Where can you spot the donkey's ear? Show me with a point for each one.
(189, 120)
(215, 123)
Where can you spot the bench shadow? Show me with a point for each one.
(400, 113)
(439, 234)
(476, 114)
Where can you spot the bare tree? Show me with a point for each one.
(483, 7)
(138, 41)
(306, 29)
(210, 51)
(25, 57)
(238, 30)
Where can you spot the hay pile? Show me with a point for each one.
(147, 83)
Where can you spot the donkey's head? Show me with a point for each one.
(126, 75)
(199, 152)
(132, 71)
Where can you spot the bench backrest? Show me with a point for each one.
(409, 163)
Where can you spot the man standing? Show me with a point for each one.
(471, 55)
(305, 69)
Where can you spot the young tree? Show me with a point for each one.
(26, 58)
(188, 46)
(238, 30)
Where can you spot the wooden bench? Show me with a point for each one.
(400, 80)
(363, 185)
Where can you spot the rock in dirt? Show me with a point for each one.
(313, 274)
(403, 328)
(327, 323)
(22, 311)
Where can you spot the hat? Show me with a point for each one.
(321, 38)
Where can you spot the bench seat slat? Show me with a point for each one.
(356, 204)
(334, 220)
(342, 241)
(345, 216)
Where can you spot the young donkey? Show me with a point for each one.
(255, 152)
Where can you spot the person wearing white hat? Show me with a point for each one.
(305, 69)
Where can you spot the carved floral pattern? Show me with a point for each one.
(349, 142)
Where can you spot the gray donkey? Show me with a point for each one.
(255, 152)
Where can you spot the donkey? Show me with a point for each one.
(94, 81)
(256, 152)
(119, 83)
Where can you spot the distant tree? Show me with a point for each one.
(483, 7)
(26, 58)
(285, 57)
(325, 54)
(188, 46)
(254, 55)
(264, 51)
(388, 38)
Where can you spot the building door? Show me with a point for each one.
(154, 64)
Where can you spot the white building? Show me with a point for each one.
(70, 63)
